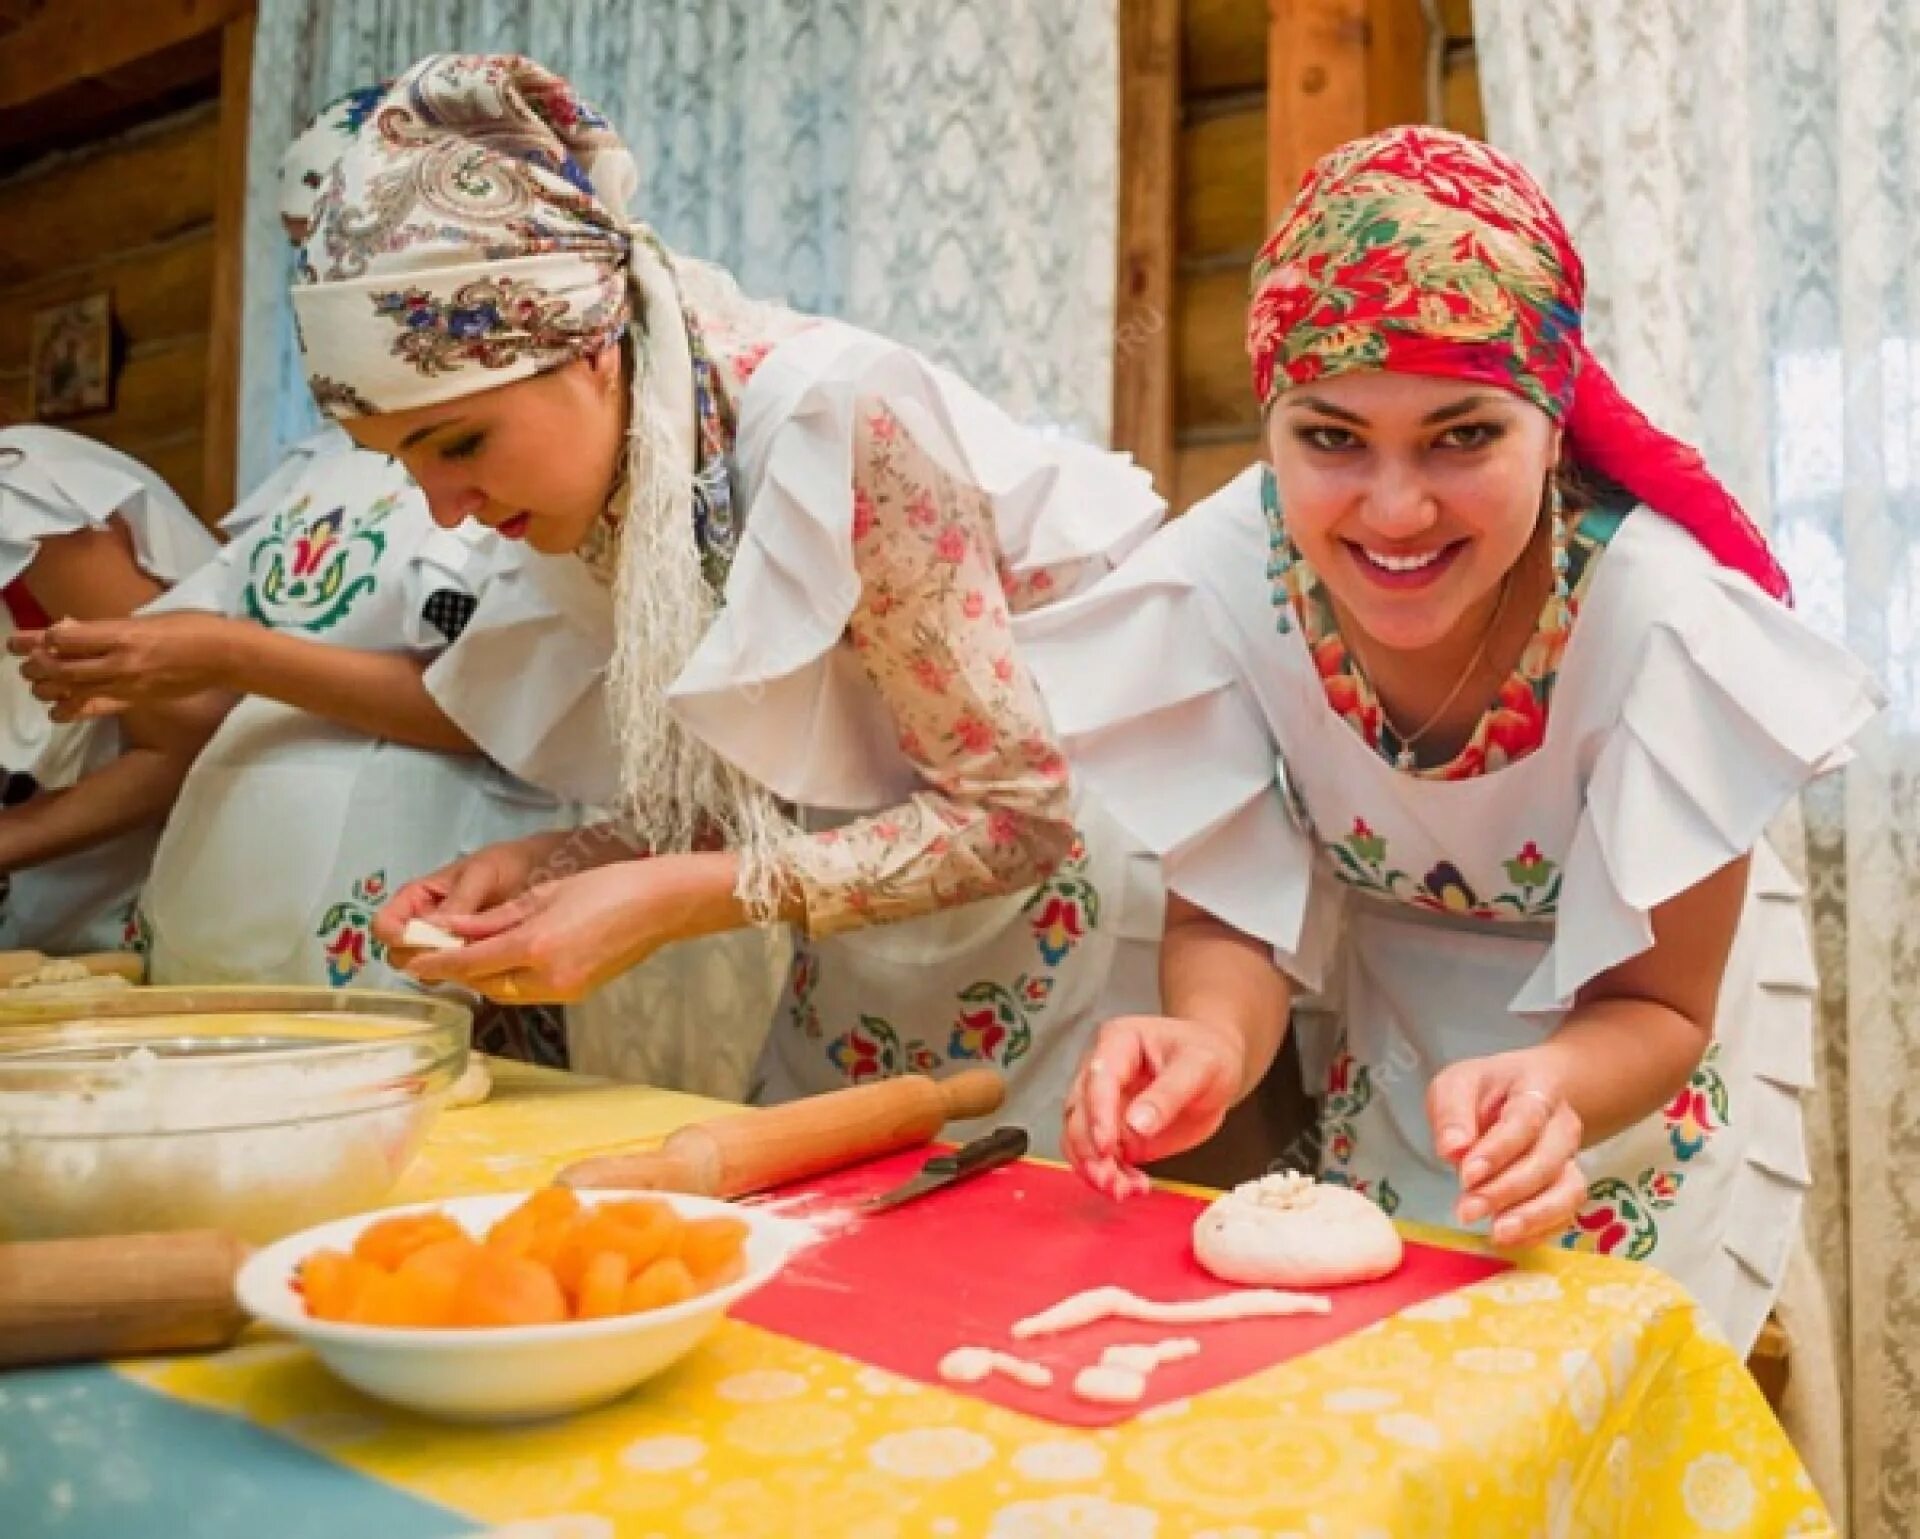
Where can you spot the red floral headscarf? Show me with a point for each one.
(1427, 252)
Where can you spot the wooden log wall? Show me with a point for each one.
(133, 217)
(122, 169)
(1212, 148)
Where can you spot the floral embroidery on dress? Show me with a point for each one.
(1700, 1110)
(993, 1022)
(1349, 1092)
(308, 573)
(137, 934)
(874, 1050)
(1361, 860)
(493, 322)
(1618, 1218)
(931, 630)
(346, 930)
(1066, 909)
(1514, 724)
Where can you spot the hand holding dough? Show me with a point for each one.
(1290, 1231)
(419, 935)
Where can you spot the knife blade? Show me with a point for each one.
(1001, 1147)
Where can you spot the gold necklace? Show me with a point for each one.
(1404, 760)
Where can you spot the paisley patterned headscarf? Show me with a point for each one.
(1426, 252)
(474, 234)
(317, 149)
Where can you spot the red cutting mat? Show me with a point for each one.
(899, 1290)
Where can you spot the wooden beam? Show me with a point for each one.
(1223, 46)
(1144, 341)
(1396, 63)
(156, 187)
(1316, 87)
(1337, 70)
(221, 433)
(82, 39)
(1223, 185)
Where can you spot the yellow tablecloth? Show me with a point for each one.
(1572, 1397)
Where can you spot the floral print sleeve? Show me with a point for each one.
(931, 630)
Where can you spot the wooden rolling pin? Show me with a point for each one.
(65, 1301)
(755, 1150)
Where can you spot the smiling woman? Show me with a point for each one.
(1413, 716)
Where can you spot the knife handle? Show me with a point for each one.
(1000, 1147)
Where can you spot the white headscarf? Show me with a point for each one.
(474, 234)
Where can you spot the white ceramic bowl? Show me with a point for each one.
(506, 1373)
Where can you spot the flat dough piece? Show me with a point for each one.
(973, 1365)
(1105, 1384)
(1290, 1231)
(1083, 1309)
(419, 935)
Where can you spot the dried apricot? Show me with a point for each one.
(434, 1272)
(666, 1282)
(393, 1298)
(389, 1241)
(603, 1287)
(710, 1246)
(501, 1289)
(331, 1281)
(533, 1225)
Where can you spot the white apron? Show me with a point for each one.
(292, 830)
(1448, 920)
(1019, 983)
(54, 483)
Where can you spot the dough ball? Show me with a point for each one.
(1290, 1231)
(474, 1085)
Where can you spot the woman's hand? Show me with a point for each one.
(483, 880)
(1505, 1122)
(1151, 1087)
(559, 939)
(88, 668)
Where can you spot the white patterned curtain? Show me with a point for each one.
(915, 166)
(1743, 178)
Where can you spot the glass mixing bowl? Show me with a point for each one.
(256, 1111)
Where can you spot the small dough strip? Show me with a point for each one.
(1120, 1377)
(1097, 1304)
(972, 1365)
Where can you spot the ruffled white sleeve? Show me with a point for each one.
(526, 680)
(54, 483)
(1731, 708)
(1144, 679)
(770, 686)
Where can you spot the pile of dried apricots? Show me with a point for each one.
(550, 1260)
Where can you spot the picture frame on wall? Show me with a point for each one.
(71, 363)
